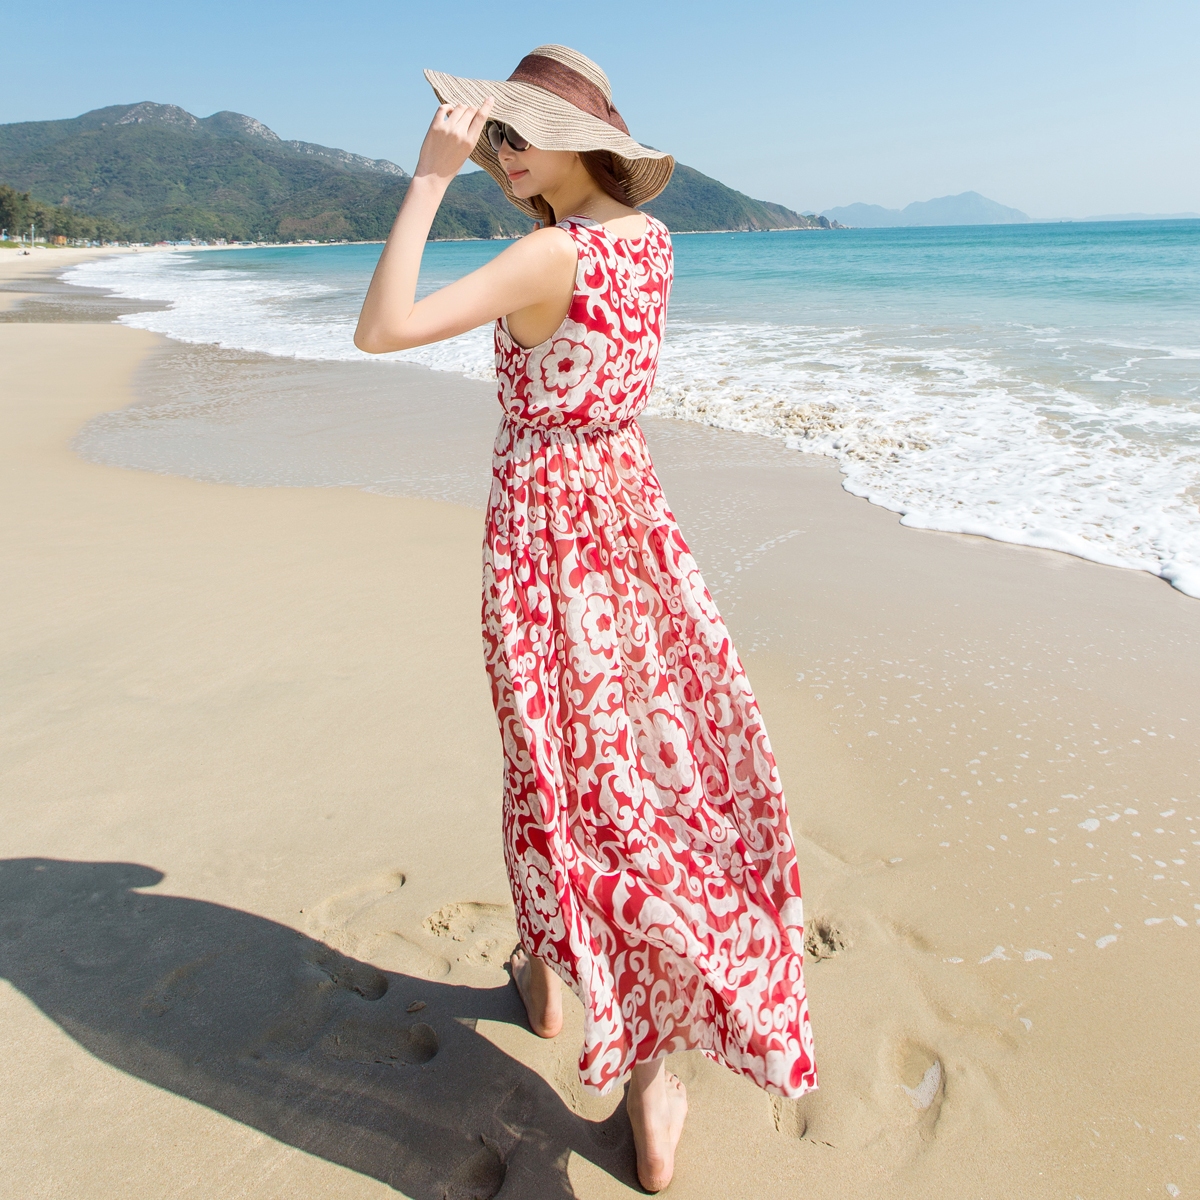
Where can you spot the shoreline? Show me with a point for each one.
(123, 247)
(972, 519)
(245, 695)
(675, 233)
(128, 247)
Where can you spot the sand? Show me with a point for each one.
(250, 786)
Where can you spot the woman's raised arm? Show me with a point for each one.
(530, 272)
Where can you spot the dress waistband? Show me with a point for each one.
(568, 429)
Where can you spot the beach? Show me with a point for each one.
(255, 908)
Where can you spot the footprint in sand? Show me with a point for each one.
(320, 992)
(479, 1178)
(485, 933)
(395, 952)
(177, 984)
(788, 1117)
(365, 1040)
(914, 939)
(923, 1081)
(358, 977)
(823, 939)
(366, 921)
(370, 905)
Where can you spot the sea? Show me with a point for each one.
(1036, 384)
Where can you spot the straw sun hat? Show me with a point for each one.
(559, 100)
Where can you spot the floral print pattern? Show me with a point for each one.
(645, 831)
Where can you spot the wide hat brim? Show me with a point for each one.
(552, 123)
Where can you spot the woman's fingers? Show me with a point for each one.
(479, 119)
(452, 136)
(467, 121)
(450, 117)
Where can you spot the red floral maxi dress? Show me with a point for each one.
(645, 831)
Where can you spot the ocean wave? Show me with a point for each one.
(955, 430)
(261, 312)
(953, 439)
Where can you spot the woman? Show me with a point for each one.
(646, 837)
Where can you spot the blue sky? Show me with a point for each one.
(1057, 108)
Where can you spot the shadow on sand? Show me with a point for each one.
(291, 1037)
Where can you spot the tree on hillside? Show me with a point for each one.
(18, 211)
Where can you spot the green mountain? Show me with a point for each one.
(693, 202)
(153, 171)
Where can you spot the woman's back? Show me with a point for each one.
(598, 367)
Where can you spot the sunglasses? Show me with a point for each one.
(499, 133)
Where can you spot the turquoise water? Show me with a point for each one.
(1033, 383)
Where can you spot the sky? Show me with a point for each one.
(1061, 109)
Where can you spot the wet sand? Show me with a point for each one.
(251, 786)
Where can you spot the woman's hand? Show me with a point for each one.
(451, 138)
(535, 273)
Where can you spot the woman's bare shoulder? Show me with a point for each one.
(539, 265)
(538, 269)
(552, 243)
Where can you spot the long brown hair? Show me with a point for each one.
(606, 172)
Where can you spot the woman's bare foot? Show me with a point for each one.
(657, 1106)
(541, 990)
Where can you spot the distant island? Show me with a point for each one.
(967, 208)
(154, 172)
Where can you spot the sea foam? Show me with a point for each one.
(1085, 441)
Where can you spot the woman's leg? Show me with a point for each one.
(541, 990)
(657, 1105)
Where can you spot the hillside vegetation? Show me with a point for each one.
(18, 210)
(154, 171)
(693, 202)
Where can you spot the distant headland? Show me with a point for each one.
(967, 208)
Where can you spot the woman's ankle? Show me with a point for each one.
(541, 991)
(646, 1075)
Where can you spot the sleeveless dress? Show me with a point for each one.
(645, 831)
